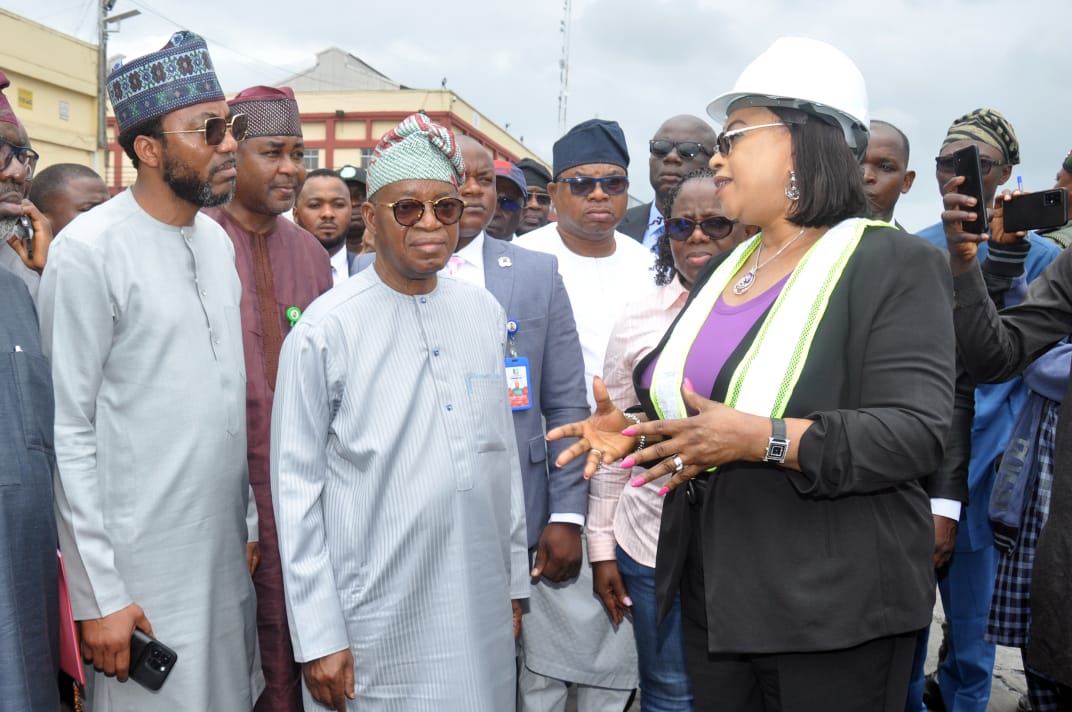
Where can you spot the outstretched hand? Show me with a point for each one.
(600, 435)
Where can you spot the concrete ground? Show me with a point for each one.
(1005, 690)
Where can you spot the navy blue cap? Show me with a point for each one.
(592, 141)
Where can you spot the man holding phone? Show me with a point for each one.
(140, 316)
(965, 553)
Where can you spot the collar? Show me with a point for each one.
(473, 253)
(654, 216)
(338, 262)
(670, 294)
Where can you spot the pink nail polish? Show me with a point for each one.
(628, 462)
(662, 492)
(630, 431)
(688, 384)
(637, 482)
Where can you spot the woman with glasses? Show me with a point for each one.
(796, 400)
(623, 522)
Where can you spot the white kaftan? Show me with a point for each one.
(140, 320)
(398, 494)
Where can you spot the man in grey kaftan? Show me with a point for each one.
(140, 316)
(395, 477)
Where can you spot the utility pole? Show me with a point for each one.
(103, 20)
(563, 66)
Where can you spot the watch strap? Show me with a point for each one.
(778, 443)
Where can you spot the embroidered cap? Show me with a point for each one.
(272, 111)
(416, 149)
(178, 75)
(989, 127)
(7, 114)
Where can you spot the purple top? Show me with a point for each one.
(719, 337)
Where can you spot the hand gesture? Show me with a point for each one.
(600, 436)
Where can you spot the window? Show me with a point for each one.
(312, 159)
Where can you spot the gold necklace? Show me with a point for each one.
(745, 283)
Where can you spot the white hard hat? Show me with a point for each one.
(804, 74)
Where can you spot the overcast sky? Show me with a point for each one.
(926, 62)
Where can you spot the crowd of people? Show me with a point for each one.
(446, 432)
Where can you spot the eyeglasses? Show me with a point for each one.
(542, 199)
(948, 165)
(715, 227)
(660, 148)
(726, 139)
(582, 186)
(409, 211)
(511, 205)
(23, 154)
(215, 129)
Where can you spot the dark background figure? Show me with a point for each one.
(29, 618)
(63, 191)
(357, 183)
(537, 212)
(681, 145)
(512, 196)
(885, 167)
(323, 208)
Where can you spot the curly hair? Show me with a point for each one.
(664, 257)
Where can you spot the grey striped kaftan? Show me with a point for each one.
(140, 320)
(398, 495)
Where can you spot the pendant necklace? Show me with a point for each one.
(745, 283)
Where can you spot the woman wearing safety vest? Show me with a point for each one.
(796, 401)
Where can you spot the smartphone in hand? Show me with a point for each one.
(150, 661)
(966, 163)
(1036, 211)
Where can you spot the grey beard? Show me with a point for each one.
(7, 226)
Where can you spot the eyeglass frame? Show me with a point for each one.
(542, 199)
(724, 141)
(679, 146)
(947, 165)
(228, 126)
(29, 165)
(700, 223)
(574, 183)
(434, 203)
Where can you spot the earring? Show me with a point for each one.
(792, 188)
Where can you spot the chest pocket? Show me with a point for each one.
(487, 405)
(26, 411)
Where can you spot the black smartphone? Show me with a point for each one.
(966, 163)
(150, 661)
(1036, 211)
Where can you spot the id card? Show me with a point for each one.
(517, 382)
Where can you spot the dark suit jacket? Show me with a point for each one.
(635, 222)
(840, 552)
(997, 348)
(352, 263)
(530, 290)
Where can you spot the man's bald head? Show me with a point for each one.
(682, 144)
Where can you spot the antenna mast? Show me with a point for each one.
(563, 66)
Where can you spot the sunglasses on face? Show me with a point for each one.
(715, 227)
(23, 154)
(582, 186)
(215, 129)
(726, 139)
(510, 205)
(661, 148)
(542, 199)
(409, 211)
(948, 165)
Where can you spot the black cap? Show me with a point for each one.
(353, 174)
(535, 173)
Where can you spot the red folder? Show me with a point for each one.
(70, 650)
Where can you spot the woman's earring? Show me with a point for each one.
(792, 188)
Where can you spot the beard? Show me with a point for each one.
(7, 226)
(188, 186)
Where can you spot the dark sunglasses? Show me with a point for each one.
(542, 199)
(715, 227)
(23, 154)
(581, 186)
(409, 211)
(948, 165)
(660, 148)
(215, 129)
(511, 205)
(726, 139)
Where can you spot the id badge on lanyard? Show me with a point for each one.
(517, 373)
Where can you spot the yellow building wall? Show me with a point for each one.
(53, 90)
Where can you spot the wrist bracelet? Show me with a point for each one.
(642, 441)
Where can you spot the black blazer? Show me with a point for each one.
(635, 222)
(840, 552)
